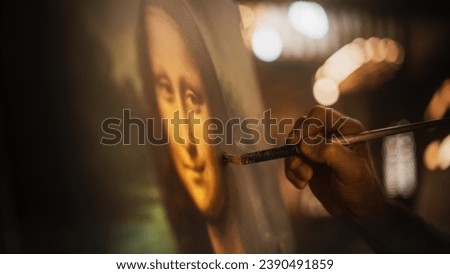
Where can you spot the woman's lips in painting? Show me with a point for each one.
(196, 167)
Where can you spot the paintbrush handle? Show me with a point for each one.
(292, 150)
(383, 132)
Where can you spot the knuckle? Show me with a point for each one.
(316, 111)
(331, 151)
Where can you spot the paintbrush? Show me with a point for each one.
(292, 150)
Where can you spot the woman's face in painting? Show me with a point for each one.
(181, 97)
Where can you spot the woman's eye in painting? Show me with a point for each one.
(164, 89)
(194, 100)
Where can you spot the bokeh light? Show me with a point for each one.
(430, 156)
(266, 44)
(395, 53)
(344, 62)
(308, 18)
(444, 153)
(439, 103)
(326, 91)
(362, 64)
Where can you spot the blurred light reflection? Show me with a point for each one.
(430, 156)
(267, 44)
(362, 64)
(439, 103)
(309, 18)
(399, 165)
(444, 153)
(326, 91)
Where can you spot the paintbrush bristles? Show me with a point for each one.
(234, 159)
(260, 156)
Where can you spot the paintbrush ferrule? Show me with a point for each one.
(269, 154)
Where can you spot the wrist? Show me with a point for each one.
(374, 211)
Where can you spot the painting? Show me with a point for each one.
(113, 65)
(196, 71)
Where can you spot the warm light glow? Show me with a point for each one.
(344, 62)
(445, 92)
(375, 49)
(362, 64)
(439, 103)
(430, 156)
(319, 73)
(444, 153)
(266, 44)
(399, 165)
(436, 108)
(395, 53)
(308, 18)
(385, 49)
(361, 43)
(326, 91)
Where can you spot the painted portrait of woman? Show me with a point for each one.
(189, 79)
(181, 85)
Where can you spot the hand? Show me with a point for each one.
(341, 177)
